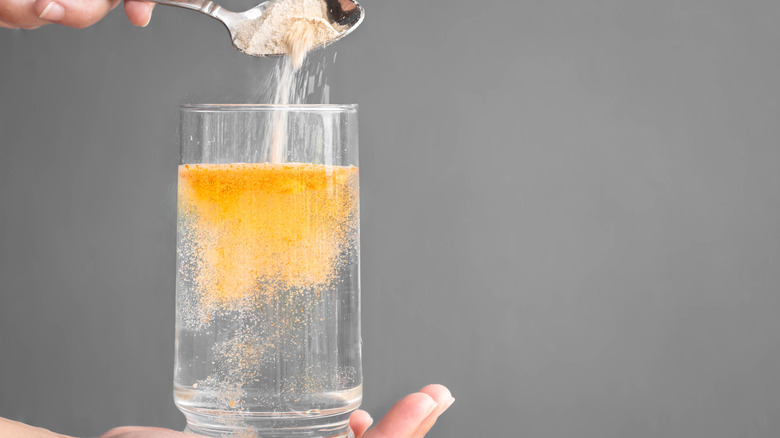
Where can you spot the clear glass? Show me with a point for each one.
(268, 270)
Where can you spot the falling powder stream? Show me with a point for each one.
(291, 27)
(299, 39)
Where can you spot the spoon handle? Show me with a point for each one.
(207, 7)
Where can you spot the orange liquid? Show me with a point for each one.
(252, 229)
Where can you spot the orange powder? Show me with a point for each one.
(253, 229)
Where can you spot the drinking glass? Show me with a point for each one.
(268, 270)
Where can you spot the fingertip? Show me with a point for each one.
(422, 402)
(439, 393)
(405, 417)
(139, 12)
(359, 422)
(49, 10)
(444, 400)
(73, 13)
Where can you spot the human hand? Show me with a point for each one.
(411, 417)
(31, 14)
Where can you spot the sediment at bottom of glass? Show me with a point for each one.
(224, 424)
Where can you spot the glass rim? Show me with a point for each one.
(251, 107)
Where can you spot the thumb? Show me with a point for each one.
(139, 12)
(74, 13)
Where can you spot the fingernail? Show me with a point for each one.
(448, 403)
(53, 12)
(431, 408)
(149, 20)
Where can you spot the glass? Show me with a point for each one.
(268, 270)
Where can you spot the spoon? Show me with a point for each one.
(344, 16)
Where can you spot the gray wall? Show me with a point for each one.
(570, 212)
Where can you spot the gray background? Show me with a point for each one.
(570, 212)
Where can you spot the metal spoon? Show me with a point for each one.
(344, 16)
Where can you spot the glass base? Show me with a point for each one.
(249, 425)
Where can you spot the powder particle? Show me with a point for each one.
(268, 34)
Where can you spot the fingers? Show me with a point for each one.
(414, 415)
(441, 395)
(30, 14)
(15, 429)
(73, 13)
(123, 432)
(143, 432)
(359, 422)
(404, 418)
(19, 13)
(139, 12)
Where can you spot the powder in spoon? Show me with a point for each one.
(270, 33)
